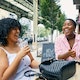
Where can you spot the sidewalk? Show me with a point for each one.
(36, 50)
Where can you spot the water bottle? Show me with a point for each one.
(23, 43)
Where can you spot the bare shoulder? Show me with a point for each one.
(3, 56)
(3, 59)
(2, 52)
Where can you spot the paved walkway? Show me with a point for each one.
(36, 50)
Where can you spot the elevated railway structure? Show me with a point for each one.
(22, 8)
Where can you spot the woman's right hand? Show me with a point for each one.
(24, 51)
(72, 53)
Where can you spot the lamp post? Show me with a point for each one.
(35, 22)
(35, 19)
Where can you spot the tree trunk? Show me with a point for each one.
(52, 35)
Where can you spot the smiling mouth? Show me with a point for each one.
(17, 36)
(66, 31)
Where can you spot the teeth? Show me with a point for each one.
(66, 30)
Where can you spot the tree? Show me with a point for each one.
(42, 32)
(60, 21)
(24, 29)
(50, 11)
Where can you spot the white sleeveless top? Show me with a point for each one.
(23, 67)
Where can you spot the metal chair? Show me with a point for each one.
(47, 51)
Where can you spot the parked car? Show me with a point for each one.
(40, 39)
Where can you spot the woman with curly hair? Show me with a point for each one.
(14, 61)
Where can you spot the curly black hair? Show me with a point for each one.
(6, 25)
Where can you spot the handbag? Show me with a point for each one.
(31, 73)
(57, 69)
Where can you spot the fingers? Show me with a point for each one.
(69, 49)
(73, 54)
(27, 49)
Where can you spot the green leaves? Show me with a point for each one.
(51, 13)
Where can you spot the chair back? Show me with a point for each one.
(47, 51)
